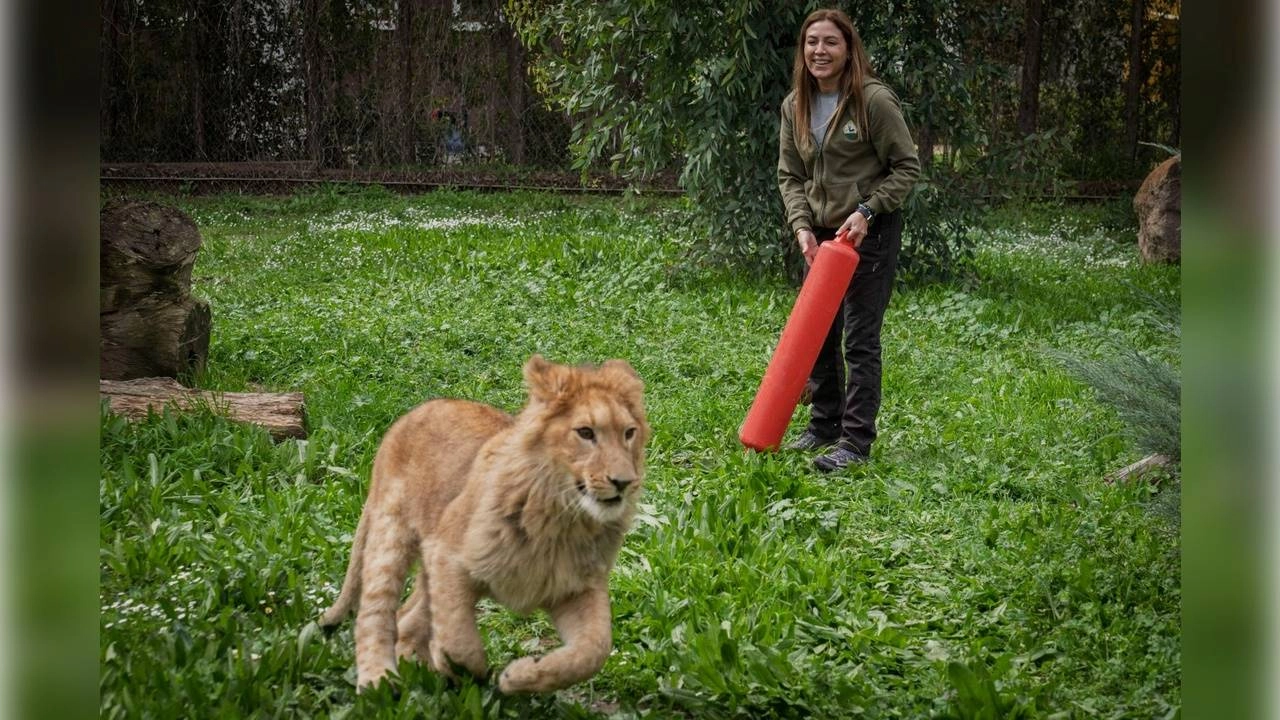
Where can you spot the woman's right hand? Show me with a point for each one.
(808, 245)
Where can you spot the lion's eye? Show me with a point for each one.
(586, 433)
(630, 433)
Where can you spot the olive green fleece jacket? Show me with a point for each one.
(878, 166)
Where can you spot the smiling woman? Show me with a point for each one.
(825, 52)
(846, 163)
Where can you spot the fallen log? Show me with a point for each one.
(282, 414)
(1138, 469)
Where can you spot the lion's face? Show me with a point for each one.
(595, 429)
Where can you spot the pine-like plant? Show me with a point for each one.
(1144, 391)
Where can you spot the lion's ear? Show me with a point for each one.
(546, 381)
(627, 383)
(621, 366)
(623, 374)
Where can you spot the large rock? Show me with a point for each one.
(1159, 207)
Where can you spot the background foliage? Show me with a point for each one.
(702, 86)
(648, 89)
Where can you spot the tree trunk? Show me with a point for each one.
(195, 68)
(314, 13)
(282, 414)
(1033, 35)
(405, 29)
(924, 143)
(108, 51)
(1133, 85)
(149, 323)
(515, 109)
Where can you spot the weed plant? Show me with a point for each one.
(1146, 393)
(977, 567)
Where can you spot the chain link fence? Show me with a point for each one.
(431, 91)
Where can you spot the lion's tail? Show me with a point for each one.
(350, 592)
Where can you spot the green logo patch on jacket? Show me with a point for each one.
(850, 130)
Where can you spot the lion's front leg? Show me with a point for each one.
(455, 639)
(585, 626)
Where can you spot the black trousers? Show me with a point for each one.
(846, 395)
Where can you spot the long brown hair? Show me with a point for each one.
(856, 70)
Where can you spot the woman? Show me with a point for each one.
(846, 162)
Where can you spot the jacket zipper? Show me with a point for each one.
(817, 168)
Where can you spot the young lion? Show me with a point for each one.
(528, 510)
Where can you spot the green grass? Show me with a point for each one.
(978, 561)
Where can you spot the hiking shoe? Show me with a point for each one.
(809, 441)
(838, 459)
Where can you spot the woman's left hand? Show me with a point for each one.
(856, 228)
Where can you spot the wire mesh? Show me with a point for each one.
(315, 89)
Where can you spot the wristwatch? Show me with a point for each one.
(867, 213)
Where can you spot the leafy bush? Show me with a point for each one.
(700, 90)
(936, 241)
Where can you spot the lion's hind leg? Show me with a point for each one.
(388, 553)
(413, 622)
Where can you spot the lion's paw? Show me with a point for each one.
(439, 662)
(416, 649)
(523, 675)
(369, 677)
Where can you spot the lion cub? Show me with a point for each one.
(529, 510)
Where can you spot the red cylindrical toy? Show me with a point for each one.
(797, 350)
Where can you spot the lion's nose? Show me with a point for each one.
(620, 483)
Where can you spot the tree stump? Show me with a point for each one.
(1159, 208)
(150, 324)
(282, 414)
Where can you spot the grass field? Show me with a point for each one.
(979, 561)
